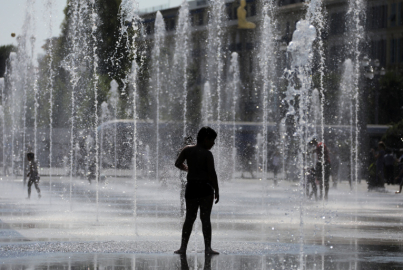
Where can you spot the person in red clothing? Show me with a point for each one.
(322, 166)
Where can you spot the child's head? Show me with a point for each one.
(30, 156)
(314, 142)
(381, 145)
(206, 133)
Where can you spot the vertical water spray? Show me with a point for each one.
(215, 62)
(159, 39)
(315, 16)
(346, 106)
(133, 79)
(2, 85)
(299, 87)
(104, 118)
(207, 113)
(267, 69)
(13, 77)
(95, 78)
(315, 113)
(49, 88)
(182, 55)
(234, 84)
(71, 67)
(356, 18)
(113, 101)
(128, 13)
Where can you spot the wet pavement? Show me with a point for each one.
(256, 225)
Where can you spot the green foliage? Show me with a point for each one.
(4, 54)
(393, 137)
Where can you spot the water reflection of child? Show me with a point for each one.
(201, 188)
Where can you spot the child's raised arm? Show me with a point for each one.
(179, 163)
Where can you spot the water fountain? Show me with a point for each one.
(157, 60)
(93, 95)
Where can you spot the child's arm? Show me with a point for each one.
(213, 176)
(179, 163)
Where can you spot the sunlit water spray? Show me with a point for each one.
(157, 67)
(267, 65)
(346, 111)
(300, 86)
(49, 89)
(182, 56)
(113, 101)
(234, 86)
(215, 65)
(207, 113)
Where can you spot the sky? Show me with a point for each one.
(13, 13)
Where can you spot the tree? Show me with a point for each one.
(4, 54)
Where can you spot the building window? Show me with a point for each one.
(392, 17)
(337, 23)
(228, 9)
(378, 51)
(394, 45)
(235, 13)
(252, 9)
(378, 17)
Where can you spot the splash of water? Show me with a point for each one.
(234, 85)
(157, 65)
(207, 114)
(299, 86)
(215, 64)
(105, 114)
(3, 124)
(182, 55)
(49, 88)
(267, 69)
(346, 106)
(356, 18)
(113, 101)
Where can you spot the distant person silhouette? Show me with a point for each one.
(33, 175)
(201, 188)
(322, 151)
(379, 156)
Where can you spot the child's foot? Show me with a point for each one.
(210, 251)
(397, 192)
(39, 196)
(180, 251)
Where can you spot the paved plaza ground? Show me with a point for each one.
(256, 225)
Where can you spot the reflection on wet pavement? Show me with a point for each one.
(255, 226)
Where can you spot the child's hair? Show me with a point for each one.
(30, 155)
(206, 133)
(382, 144)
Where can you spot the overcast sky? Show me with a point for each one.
(13, 12)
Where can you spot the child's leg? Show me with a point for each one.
(37, 188)
(206, 204)
(191, 214)
(29, 189)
